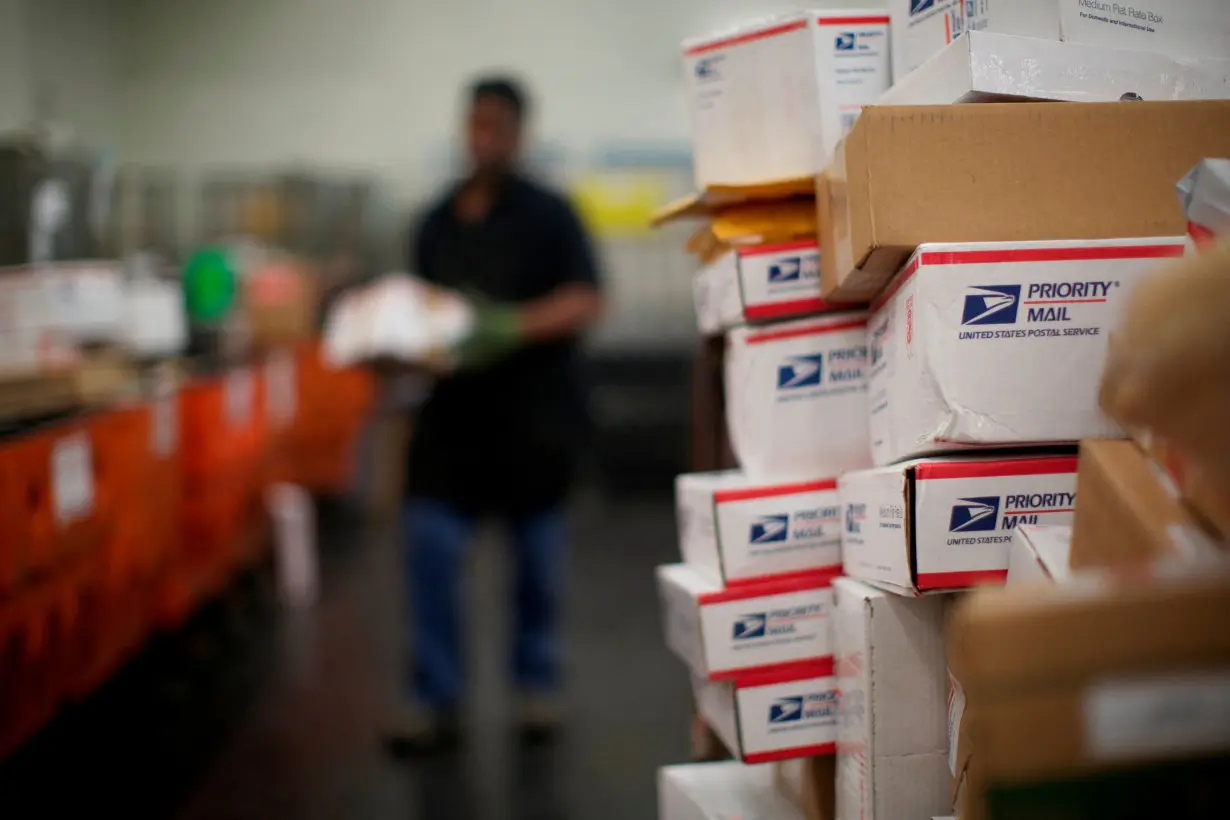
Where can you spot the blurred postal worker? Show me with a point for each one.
(502, 434)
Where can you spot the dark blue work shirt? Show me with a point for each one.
(506, 439)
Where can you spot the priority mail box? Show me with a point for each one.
(1000, 343)
(771, 99)
(721, 633)
(892, 745)
(920, 29)
(720, 791)
(778, 716)
(1039, 554)
(986, 67)
(796, 397)
(946, 523)
(760, 283)
(1184, 28)
(897, 181)
(740, 531)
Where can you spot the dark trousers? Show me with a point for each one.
(437, 536)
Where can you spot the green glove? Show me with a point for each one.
(496, 334)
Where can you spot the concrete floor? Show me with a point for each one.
(257, 712)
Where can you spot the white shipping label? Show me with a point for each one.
(240, 394)
(874, 543)
(920, 29)
(785, 716)
(854, 67)
(280, 385)
(766, 631)
(1134, 719)
(956, 712)
(967, 516)
(774, 531)
(880, 373)
(72, 478)
(165, 426)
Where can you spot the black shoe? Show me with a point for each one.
(418, 731)
(539, 717)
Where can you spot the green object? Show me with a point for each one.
(496, 334)
(210, 284)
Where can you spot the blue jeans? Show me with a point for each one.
(437, 536)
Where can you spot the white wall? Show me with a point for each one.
(70, 51)
(375, 83)
(56, 67)
(14, 78)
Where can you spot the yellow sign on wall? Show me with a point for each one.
(619, 203)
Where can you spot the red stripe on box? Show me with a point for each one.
(995, 469)
(751, 493)
(831, 573)
(794, 307)
(794, 333)
(957, 580)
(780, 672)
(1077, 254)
(852, 21)
(818, 750)
(749, 37)
(1065, 301)
(798, 307)
(782, 247)
(743, 592)
(786, 673)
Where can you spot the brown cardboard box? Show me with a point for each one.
(1125, 512)
(1095, 688)
(1202, 489)
(1167, 376)
(281, 303)
(1001, 172)
(811, 784)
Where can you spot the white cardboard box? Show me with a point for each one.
(771, 99)
(946, 523)
(772, 717)
(721, 633)
(920, 29)
(986, 67)
(1039, 554)
(892, 747)
(739, 531)
(796, 397)
(721, 791)
(1184, 28)
(1000, 343)
(759, 283)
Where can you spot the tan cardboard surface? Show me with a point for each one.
(1036, 636)
(809, 783)
(967, 173)
(1123, 511)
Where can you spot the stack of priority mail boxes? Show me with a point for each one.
(1100, 679)
(750, 609)
(998, 245)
